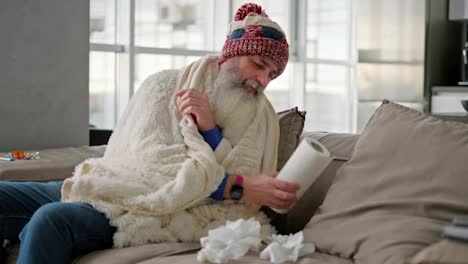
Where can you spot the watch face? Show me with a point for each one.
(236, 192)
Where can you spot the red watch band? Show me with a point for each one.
(239, 181)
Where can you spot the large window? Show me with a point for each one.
(391, 49)
(132, 39)
(329, 66)
(102, 81)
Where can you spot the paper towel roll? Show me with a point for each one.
(304, 166)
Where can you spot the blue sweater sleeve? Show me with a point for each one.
(213, 137)
(218, 195)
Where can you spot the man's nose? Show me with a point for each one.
(263, 78)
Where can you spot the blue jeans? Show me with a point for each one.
(50, 231)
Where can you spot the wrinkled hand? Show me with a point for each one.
(197, 104)
(264, 189)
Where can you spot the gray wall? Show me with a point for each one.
(44, 71)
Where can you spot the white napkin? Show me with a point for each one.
(284, 248)
(230, 241)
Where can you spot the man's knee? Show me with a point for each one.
(49, 218)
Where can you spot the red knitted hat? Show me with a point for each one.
(253, 33)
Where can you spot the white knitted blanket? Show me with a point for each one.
(157, 172)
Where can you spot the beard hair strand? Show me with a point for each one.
(230, 93)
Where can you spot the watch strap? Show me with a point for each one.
(237, 190)
(239, 180)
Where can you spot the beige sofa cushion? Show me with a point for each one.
(137, 254)
(54, 164)
(126, 255)
(406, 178)
(443, 252)
(251, 258)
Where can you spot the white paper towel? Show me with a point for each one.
(304, 166)
(284, 248)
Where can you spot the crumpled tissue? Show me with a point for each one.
(283, 248)
(231, 241)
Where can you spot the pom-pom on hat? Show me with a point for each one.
(253, 33)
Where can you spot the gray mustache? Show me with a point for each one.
(254, 84)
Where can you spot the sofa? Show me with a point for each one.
(384, 198)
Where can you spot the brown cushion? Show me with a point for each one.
(406, 178)
(443, 252)
(291, 123)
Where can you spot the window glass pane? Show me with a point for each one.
(329, 29)
(187, 24)
(390, 81)
(328, 102)
(278, 90)
(102, 21)
(391, 30)
(102, 89)
(148, 64)
(391, 50)
(390, 44)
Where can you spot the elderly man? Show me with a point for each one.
(194, 148)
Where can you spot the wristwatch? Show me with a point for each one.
(237, 189)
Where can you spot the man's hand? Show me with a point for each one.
(197, 104)
(264, 189)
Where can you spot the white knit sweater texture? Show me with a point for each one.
(157, 171)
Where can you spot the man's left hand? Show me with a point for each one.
(197, 104)
(265, 189)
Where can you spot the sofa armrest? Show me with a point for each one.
(54, 164)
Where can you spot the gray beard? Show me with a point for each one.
(228, 99)
(234, 107)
